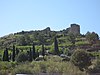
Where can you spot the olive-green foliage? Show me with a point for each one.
(48, 47)
(0, 56)
(23, 40)
(81, 43)
(51, 49)
(62, 40)
(51, 66)
(95, 54)
(38, 48)
(3, 65)
(22, 57)
(48, 67)
(23, 47)
(4, 72)
(92, 37)
(81, 59)
(22, 69)
(71, 38)
(41, 38)
(65, 51)
(7, 65)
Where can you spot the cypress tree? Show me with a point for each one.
(13, 54)
(37, 54)
(30, 55)
(17, 51)
(5, 55)
(10, 56)
(56, 49)
(34, 54)
(43, 51)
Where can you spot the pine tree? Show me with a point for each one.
(5, 55)
(13, 54)
(56, 49)
(34, 54)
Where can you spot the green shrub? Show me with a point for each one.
(36, 69)
(5, 65)
(81, 59)
(48, 47)
(38, 48)
(79, 43)
(51, 49)
(22, 69)
(22, 57)
(3, 72)
(52, 65)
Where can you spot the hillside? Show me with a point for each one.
(58, 51)
(46, 37)
(39, 36)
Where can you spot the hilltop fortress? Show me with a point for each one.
(74, 29)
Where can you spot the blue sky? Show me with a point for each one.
(18, 15)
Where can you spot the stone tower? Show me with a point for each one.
(74, 29)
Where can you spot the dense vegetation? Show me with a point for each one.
(58, 52)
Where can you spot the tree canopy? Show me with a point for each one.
(81, 59)
(92, 37)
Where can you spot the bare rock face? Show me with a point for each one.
(74, 29)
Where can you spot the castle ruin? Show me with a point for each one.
(74, 29)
